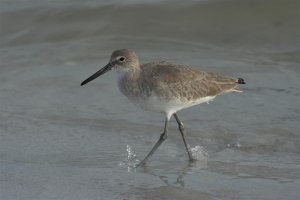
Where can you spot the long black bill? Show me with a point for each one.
(98, 73)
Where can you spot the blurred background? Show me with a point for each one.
(62, 141)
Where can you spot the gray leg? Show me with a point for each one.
(162, 138)
(181, 129)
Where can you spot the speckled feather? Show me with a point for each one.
(165, 86)
(171, 80)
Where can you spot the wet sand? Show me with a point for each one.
(62, 141)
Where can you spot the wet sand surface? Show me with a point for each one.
(62, 141)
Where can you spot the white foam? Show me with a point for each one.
(131, 161)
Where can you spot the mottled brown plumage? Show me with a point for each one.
(184, 82)
(165, 87)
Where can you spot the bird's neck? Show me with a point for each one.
(128, 80)
(132, 74)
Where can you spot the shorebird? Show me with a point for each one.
(165, 87)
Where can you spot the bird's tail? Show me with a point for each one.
(240, 81)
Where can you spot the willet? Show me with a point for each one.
(165, 87)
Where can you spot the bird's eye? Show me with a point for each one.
(122, 59)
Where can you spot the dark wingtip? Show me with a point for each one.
(82, 83)
(241, 81)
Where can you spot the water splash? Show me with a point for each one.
(131, 161)
(234, 145)
(201, 156)
(199, 153)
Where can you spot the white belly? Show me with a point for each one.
(156, 104)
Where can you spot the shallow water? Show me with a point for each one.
(62, 141)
